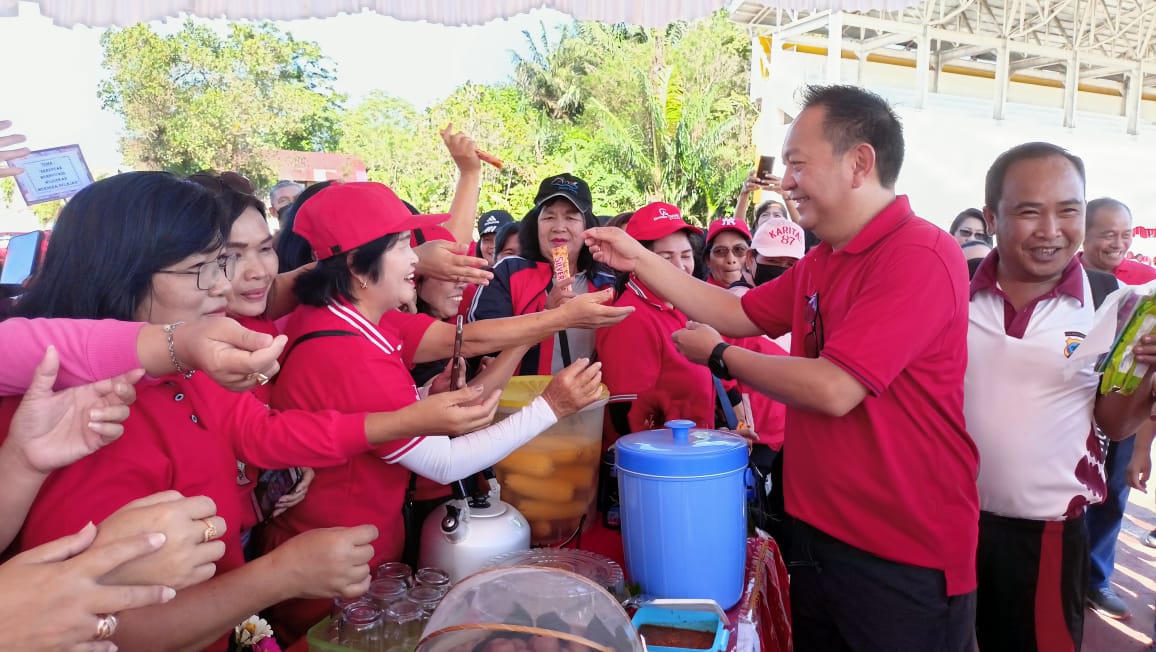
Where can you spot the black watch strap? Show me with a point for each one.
(717, 366)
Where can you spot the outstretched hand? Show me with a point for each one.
(696, 341)
(9, 154)
(51, 430)
(612, 246)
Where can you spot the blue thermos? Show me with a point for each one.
(682, 493)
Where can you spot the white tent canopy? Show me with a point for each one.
(648, 13)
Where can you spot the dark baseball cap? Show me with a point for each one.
(491, 221)
(564, 185)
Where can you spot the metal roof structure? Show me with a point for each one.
(1100, 46)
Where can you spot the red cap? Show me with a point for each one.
(345, 216)
(427, 233)
(727, 224)
(656, 221)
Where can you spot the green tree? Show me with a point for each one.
(666, 114)
(197, 99)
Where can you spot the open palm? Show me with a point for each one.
(54, 429)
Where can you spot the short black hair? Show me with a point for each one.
(964, 215)
(855, 115)
(293, 250)
(333, 278)
(234, 190)
(997, 173)
(505, 232)
(113, 236)
(528, 238)
(1101, 203)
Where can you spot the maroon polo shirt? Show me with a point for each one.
(1015, 322)
(896, 476)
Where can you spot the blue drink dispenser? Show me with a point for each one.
(682, 493)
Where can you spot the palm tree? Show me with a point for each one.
(674, 149)
(552, 74)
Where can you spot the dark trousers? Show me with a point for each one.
(1104, 519)
(846, 599)
(1033, 579)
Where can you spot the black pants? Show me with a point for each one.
(843, 598)
(1033, 579)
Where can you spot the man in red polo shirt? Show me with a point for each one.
(1107, 239)
(880, 472)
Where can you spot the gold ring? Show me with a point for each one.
(105, 627)
(261, 378)
(210, 531)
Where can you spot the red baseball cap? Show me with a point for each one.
(344, 216)
(727, 224)
(427, 233)
(657, 220)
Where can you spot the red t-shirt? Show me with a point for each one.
(896, 476)
(187, 435)
(639, 358)
(365, 373)
(770, 416)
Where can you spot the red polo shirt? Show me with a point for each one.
(896, 476)
(769, 415)
(369, 370)
(185, 435)
(1130, 272)
(639, 358)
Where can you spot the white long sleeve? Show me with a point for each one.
(446, 459)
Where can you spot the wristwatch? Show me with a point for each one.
(716, 363)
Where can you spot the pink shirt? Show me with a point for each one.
(90, 350)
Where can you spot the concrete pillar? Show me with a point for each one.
(922, 69)
(834, 47)
(1002, 81)
(1071, 89)
(1133, 98)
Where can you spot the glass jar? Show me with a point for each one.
(385, 591)
(431, 576)
(426, 597)
(404, 623)
(363, 628)
(333, 632)
(395, 570)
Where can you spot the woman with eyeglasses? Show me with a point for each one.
(649, 381)
(727, 242)
(969, 225)
(161, 259)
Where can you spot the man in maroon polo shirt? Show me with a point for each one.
(1031, 413)
(1107, 239)
(879, 470)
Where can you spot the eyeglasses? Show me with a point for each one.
(813, 340)
(209, 272)
(970, 234)
(721, 252)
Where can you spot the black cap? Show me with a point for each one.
(568, 186)
(491, 221)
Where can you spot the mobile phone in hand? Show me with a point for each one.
(272, 484)
(455, 367)
(766, 164)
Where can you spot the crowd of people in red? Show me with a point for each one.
(940, 477)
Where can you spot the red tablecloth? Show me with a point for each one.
(762, 618)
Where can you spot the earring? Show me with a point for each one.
(363, 285)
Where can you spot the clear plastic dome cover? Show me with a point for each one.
(529, 609)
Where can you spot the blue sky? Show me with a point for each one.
(50, 80)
